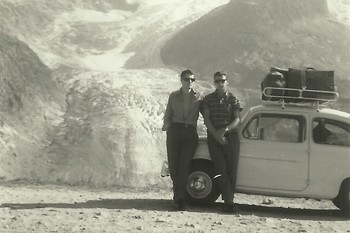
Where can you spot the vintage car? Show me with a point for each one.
(297, 150)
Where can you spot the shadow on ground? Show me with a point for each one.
(165, 205)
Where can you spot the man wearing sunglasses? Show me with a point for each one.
(180, 124)
(222, 116)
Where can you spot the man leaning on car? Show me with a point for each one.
(221, 116)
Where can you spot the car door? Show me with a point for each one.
(274, 152)
(330, 154)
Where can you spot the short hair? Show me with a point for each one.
(220, 74)
(185, 73)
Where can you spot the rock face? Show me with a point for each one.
(245, 38)
(98, 130)
(30, 105)
(110, 134)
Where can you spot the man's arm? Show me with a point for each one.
(236, 116)
(235, 122)
(218, 134)
(167, 115)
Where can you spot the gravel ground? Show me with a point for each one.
(43, 208)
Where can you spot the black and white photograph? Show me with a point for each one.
(192, 116)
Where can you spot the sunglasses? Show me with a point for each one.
(189, 79)
(220, 81)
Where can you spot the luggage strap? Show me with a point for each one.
(303, 79)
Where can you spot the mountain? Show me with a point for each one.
(31, 103)
(108, 132)
(83, 89)
(245, 38)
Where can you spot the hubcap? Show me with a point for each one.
(199, 185)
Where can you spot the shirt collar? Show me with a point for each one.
(179, 92)
(217, 94)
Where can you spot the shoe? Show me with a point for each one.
(230, 208)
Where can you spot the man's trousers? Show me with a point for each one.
(182, 141)
(225, 161)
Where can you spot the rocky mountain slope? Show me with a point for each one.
(245, 38)
(109, 132)
(31, 104)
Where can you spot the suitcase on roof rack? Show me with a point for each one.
(311, 79)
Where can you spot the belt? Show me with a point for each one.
(183, 125)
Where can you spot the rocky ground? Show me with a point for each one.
(37, 208)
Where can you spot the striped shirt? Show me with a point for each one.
(223, 110)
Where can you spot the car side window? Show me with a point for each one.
(331, 132)
(276, 128)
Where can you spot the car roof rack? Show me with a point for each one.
(300, 97)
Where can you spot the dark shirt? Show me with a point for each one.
(222, 110)
(181, 111)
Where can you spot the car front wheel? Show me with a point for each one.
(201, 189)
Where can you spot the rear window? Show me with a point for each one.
(331, 132)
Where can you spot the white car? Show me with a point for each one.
(282, 155)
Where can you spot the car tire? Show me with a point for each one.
(337, 202)
(201, 188)
(345, 200)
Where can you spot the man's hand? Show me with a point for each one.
(219, 136)
(165, 127)
(221, 132)
(221, 140)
